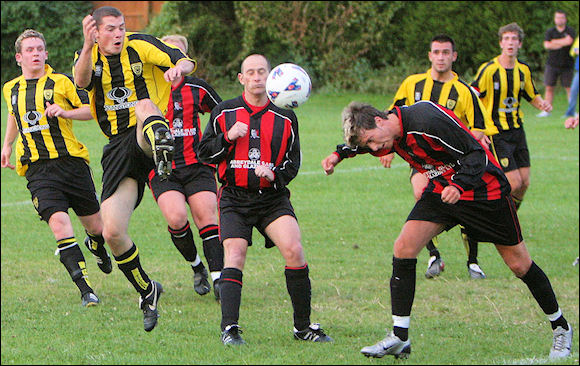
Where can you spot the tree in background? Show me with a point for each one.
(367, 46)
(59, 21)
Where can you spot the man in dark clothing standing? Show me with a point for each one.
(559, 64)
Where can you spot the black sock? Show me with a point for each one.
(402, 333)
(473, 248)
(130, 265)
(541, 289)
(183, 241)
(432, 249)
(403, 290)
(470, 245)
(298, 286)
(212, 247)
(73, 260)
(230, 295)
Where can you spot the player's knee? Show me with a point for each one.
(176, 220)
(516, 184)
(402, 249)
(113, 235)
(94, 227)
(292, 252)
(525, 184)
(145, 108)
(519, 267)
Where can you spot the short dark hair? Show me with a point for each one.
(106, 11)
(443, 38)
(561, 12)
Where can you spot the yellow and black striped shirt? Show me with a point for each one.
(119, 81)
(501, 91)
(454, 94)
(41, 137)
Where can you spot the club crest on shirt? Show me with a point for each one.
(254, 154)
(48, 94)
(137, 68)
(178, 123)
(504, 162)
(451, 103)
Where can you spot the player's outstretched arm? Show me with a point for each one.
(330, 162)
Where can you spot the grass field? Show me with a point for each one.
(349, 221)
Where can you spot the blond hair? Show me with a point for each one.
(29, 33)
(177, 38)
(356, 118)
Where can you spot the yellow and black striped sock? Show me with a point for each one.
(73, 260)
(152, 124)
(130, 265)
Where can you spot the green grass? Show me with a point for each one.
(349, 221)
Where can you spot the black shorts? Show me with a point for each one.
(485, 221)
(122, 157)
(188, 180)
(59, 184)
(552, 73)
(240, 211)
(511, 148)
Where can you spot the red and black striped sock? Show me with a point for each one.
(230, 295)
(299, 288)
(212, 248)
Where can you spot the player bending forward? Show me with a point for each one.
(466, 187)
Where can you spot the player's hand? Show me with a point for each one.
(173, 74)
(89, 31)
(264, 172)
(485, 141)
(239, 129)
(387, 159)
(571, 122)
(450, 194)
(329, 163)
(54, 110)
(545, 106)
(6, 153)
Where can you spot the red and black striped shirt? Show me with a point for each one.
(436, 143)
(272, 140)
(188, 99)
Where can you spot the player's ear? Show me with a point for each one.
(241, 78)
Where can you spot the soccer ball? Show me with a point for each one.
(288, 86)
